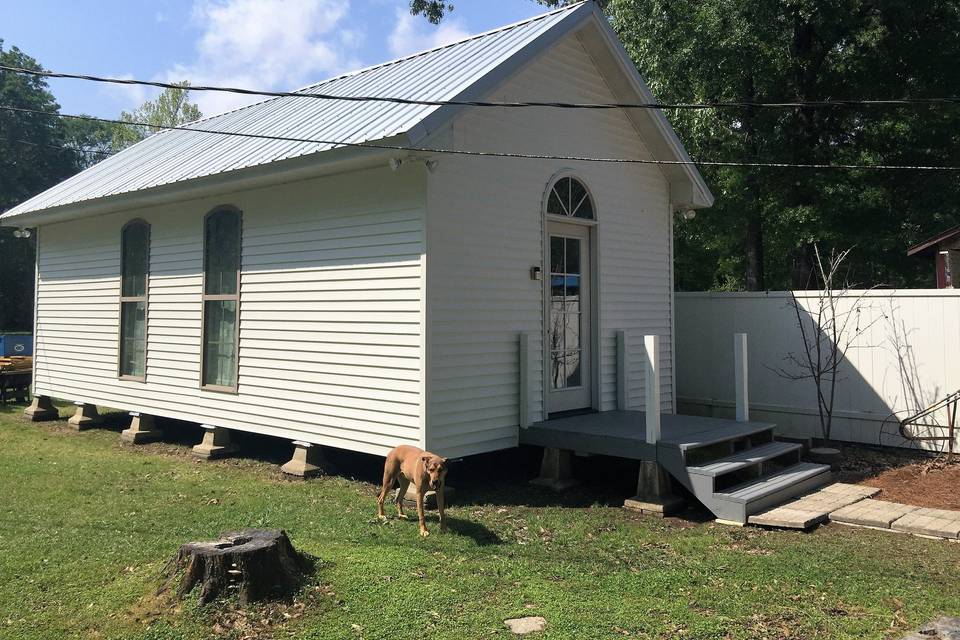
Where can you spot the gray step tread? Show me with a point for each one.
(708, 436)
(743, 459)
(773, 483)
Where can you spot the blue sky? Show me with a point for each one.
(260, 44)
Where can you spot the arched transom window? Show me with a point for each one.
(568, 197)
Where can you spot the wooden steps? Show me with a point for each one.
(740, 469)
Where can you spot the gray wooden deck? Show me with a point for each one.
(623, 433)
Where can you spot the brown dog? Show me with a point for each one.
(426, 471)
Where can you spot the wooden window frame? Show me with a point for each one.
(205, 297)
(145, 299)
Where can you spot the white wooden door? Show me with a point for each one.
(568, 336)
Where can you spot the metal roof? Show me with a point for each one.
(460, 70)
(175, 156)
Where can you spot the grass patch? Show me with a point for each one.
(87, 524)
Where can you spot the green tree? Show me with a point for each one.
(761, 232)
(172, 108)
(33, 157)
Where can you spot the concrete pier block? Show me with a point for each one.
(216, 444)
(307, 461)
(142, 429)
(556, 471)
(41, 409)
(655, 495)
(86, 416)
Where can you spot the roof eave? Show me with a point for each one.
(282, 171)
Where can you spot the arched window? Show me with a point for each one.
(568, 197)
(221, 299)
(134, 273)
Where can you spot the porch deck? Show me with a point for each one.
(623, 433)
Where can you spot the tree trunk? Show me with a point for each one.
(256, 563)
(753, 250)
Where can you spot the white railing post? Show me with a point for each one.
(740, 376)
(524, 380)
(621, 371)
(651, 346)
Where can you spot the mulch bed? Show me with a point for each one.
(904, 476)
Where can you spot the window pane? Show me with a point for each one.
(573, 287)
(134, 261)
(585, 210)
(554, 205)
(556, 255)
(558, 378)
(571, 338)
(133, 339)
(220, 342)
(573, 255)
(572, 369)
(222, 251)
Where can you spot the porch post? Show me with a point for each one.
(524, 380)
(740, 376)
(651, 346)
(622, 388)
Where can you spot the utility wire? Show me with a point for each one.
(481, 103)
(494, 154)
(59, 146)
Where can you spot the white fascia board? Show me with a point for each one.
(292, 170)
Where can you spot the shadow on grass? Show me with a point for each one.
(499, 478)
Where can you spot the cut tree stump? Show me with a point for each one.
(257, 564)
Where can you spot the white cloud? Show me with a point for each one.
(412, 34)
(265, 44)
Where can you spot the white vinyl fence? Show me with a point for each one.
(906, 357)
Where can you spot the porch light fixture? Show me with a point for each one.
(22, 233)
(395, 163)
(689, 214)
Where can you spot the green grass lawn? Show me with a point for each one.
(87, 524)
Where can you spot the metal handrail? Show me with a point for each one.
(950, 402)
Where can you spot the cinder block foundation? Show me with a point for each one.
(41, 409)
(556, 471)
(655, 495)
(86, 416)
(216, 444)
(307, 461)
(142, 429)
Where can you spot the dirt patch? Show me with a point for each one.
(905, 476)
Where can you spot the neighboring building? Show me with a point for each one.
(945, 249)
(363, 298)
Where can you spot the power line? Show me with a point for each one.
(59, 146)
(495, 154)
(895, 102)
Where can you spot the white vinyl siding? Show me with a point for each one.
(330, 312)
(484, 232)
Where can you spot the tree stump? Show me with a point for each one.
(256, 563)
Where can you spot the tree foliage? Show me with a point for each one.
(172, 108)
(763, 227)
(33, 157)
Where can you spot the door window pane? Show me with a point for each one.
(556, 255)
(220, 342)
(565, 334)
